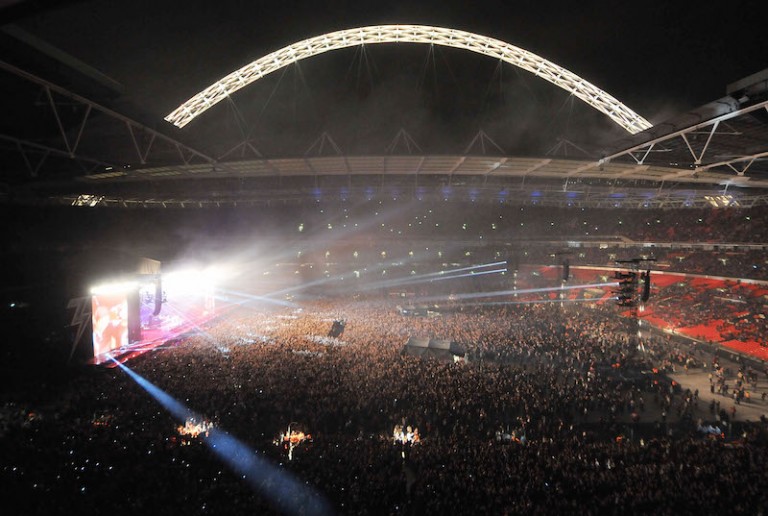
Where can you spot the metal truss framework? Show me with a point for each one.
(70, 141)
(479, 169)
(462, 178)
(297, 199)
(712, 129)
(557, 75)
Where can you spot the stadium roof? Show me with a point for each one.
(71, 138)
(701, 158)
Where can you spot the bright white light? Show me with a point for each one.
(216, 274)
(720, 201)
(491, 47)
(114, 288)
(188, 281)
(195, 280)
(87, 200)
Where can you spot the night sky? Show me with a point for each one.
(659, 58)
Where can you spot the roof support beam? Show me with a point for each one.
(729, 163)
(90, 105)
(47, 150)
(697, 159)
(688, 130)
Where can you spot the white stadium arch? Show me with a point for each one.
(495, 48)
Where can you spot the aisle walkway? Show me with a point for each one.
(745, 411)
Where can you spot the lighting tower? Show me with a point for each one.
(628, 294)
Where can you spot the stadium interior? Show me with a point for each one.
(378, 318)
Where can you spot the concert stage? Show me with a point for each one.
(165, 331)
(131, 318)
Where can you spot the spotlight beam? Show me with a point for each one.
(497, 293)
(251, 297)
(196, 326)
(534, 302)
(380, 284)
(432, 276)
(280, 488)
(469, 274)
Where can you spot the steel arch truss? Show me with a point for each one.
(484, 45)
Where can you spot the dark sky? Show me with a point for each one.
(659, 58)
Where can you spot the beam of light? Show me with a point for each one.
(434, 276)
(437, 275)
(409, 281)
(497, 293)
(192, 280)
(323, 240)
(462, 269)
(497, 49)
(270, 296)
(280, 488)
(201, 331)
(379, 284)
(318, 238)
(466, 275)
(248, 298)
(307, 285)
(535, 302)
(254, 257)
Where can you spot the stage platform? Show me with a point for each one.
(164, 331)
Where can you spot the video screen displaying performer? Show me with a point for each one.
(110, 322)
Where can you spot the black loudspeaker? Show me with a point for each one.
(158, 296)
(646, 286)
(566, 270)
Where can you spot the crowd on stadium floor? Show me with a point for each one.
(590, 420)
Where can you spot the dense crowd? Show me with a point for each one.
(554, 410)
(397, 220)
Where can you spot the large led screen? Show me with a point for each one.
(110, 322)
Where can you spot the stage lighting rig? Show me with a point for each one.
(646, 286)
(625, 293)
